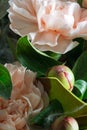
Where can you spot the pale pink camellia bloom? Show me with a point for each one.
(27, 98)
(49, 24)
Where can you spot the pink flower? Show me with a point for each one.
(26, 98)
(22, 80)
(14, 115)
(50, 24)
(24, 86)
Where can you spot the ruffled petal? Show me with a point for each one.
(46, 41)
(46, 21)
(22, 17)
(44, 38)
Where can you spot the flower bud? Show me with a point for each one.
(65, 123)
(64, 74)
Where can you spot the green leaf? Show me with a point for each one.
(80, 88)
(5, 82)
(71, 104)
(70, 57)
(54, 55)
(80, 67)
(80, 2)
(53, 110)
(32, 58)
(85, 96)
(3, 7)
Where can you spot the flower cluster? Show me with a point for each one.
(48, 29)
(26, 98)
(49, 24)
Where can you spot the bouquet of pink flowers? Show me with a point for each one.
(45, 86)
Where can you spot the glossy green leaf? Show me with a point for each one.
(3, 7)
(32, 58)
(72, 105)
(85, 96)
(80, 88)
(54, 55)
(5, 82)
(80, 67)
(70, 57)
(53, 110)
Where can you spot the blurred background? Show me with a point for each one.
(8, 39)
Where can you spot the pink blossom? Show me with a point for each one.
(50, 24)
(26, 98)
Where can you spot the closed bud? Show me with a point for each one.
(65, 123)
(64, 74)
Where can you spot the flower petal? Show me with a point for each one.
(47, 23)
(22, 17)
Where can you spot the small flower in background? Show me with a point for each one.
(50, 25)
(26, 98)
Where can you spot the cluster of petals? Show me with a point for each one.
(27, 98)
(51, 25)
